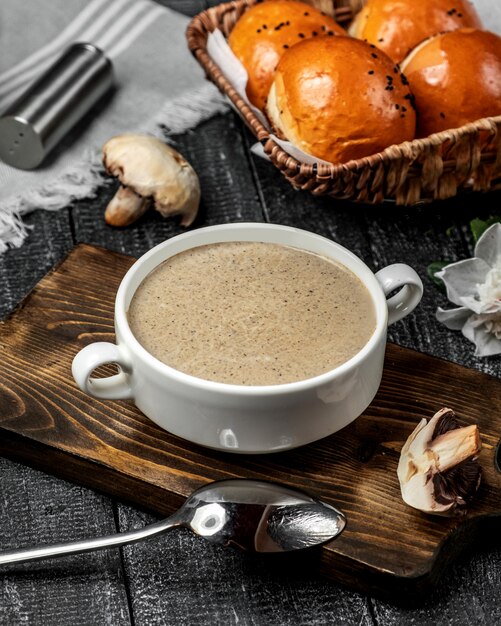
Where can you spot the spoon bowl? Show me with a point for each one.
(253, 515)
(259, 516)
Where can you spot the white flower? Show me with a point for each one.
(475, 286)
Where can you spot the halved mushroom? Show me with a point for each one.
(438, 470)
(149, 171)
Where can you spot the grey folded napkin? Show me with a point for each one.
(160, 89)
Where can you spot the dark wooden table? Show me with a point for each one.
(180, 579)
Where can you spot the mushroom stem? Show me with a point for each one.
(455, 446)
(125, 207)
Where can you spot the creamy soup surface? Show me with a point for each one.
(252, 313)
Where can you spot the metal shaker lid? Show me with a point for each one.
(53, 104)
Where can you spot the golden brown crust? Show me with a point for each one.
(397, 26)
(338, 99)
(456, 79)
(266, 31)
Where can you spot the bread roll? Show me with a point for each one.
(266, 31)
(338, 99)
(397, 26)
(455, 78)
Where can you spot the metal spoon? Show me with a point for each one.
(253, 515)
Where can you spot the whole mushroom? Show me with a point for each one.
(438, 470)
(150, 171)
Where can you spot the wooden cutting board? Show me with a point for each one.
(387, 547)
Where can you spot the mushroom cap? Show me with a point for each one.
(153, 169)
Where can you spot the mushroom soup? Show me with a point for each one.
(251, 313)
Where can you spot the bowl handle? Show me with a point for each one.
(404, 301)
(92, 356)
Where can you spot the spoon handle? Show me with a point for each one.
(87, 545)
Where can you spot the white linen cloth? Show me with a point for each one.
(159, 88)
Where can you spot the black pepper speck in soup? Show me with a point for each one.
(252, 313)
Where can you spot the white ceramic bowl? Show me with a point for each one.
(238, 418)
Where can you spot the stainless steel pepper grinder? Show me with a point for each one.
(53, 104)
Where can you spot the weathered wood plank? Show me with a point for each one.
(182, 580)
(469, 595)
(20, 269)
(83, 589)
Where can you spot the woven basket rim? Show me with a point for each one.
(408, 150)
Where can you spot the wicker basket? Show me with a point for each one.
(437, 167)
